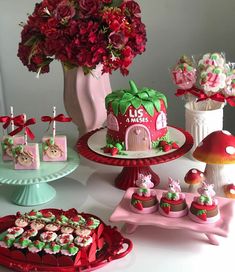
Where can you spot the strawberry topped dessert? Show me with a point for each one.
(204, 208)
(172, 203)
(144, 200)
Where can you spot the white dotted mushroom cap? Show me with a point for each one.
(217, 148)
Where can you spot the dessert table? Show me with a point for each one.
(90, 189)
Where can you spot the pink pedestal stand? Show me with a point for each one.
(132, 167)
(124, 213)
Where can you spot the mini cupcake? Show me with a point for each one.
(33, 215)
(37, 224)
(64, 239)
(36, 246)
(82, 232)
(92, 223)
(69, 250)
(22, 222)
(62, 220)
(52, 248)
(22, 242)
(48, 236)
(7, 241)
(83, 241)
(52, 227)
(77, 220)
(15, 231)
(67, 229)
(30, 233)
(48, 216)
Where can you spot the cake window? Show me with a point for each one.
(161, 121)
(112, 122)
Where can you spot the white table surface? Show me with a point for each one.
(90, 189)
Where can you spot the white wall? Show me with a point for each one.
(174, 27)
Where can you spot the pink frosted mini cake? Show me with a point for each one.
(144, 200)
(204, 208)
(26, 157)
(172, 203)
(54, 149)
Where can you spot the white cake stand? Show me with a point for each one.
(30, 186)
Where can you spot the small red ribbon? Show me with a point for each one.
(216, 97)
(24, 125)
(194, 91)
(231, 100)
(58, 118)
(7, 120)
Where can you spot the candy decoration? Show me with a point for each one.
(24, 125)
(55, 147)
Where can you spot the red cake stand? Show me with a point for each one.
(132, 167)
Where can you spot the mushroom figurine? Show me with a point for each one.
(194, 177)
(229, 190)
(217, 150)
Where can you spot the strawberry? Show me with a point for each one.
(138, 205)
(106, 149)
(162, 143)
(174, 145)
(114, 151)
(46, 214)
(32, 213)
(89, 222)
(202, 215)
(166, 208)
(166, 148)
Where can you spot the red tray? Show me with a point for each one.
(112, 250)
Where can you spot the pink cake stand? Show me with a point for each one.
(132, 167)
(132, 220)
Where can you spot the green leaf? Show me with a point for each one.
(151, 92)
(157, 103)
(127, 96)
(115, 106)
(133, 86)
(116, 3)
(149, 107)
(124, 106)
(143, 95)
(136, 102)
(108, 99)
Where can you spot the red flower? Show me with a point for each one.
(117, 40)
(64, 11)
(82, 33)
(88, 7)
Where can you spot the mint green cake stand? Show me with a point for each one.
(31, 186)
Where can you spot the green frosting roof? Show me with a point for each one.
(148, 98)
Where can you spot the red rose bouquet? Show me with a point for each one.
(83, 33)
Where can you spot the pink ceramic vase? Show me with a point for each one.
(84, 98)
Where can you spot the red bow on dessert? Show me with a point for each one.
(194, 91)
(7, 120)
(58, 118)
(24, 125)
